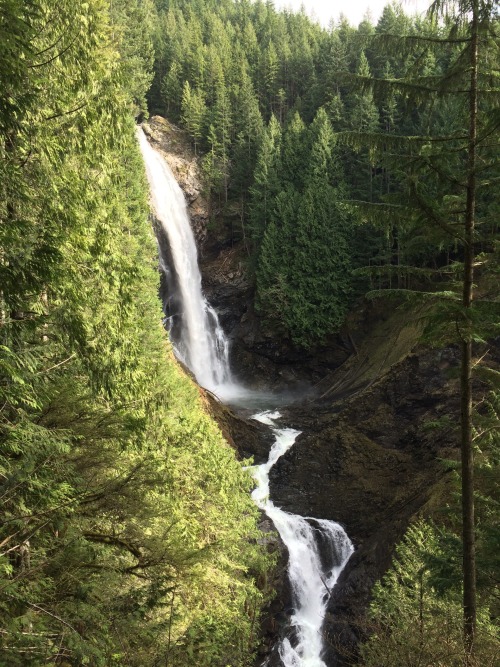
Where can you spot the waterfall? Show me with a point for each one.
(201, 345)
(312, 573)
(318, 549)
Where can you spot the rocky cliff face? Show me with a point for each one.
(371, 462)
(370, 458)
(175, 146)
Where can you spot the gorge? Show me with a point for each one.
(341, 462)
(200, 343)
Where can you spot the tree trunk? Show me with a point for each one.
(468, 531)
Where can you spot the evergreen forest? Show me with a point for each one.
(346, 163)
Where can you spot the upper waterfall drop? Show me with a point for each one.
(202, 345)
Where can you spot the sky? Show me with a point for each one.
(354, 10)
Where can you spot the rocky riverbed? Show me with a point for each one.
(371, 461)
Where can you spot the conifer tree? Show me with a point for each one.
(442, 188)
(269, 78)
(265, 185)
(221, 123)
(294, 152)
(193, 113)
(248, 128)
(135, 20)
(363, 118)
(415, 614)
(172, 91)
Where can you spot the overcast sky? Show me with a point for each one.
(354, 10)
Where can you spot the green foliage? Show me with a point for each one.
(303, 274)
(193, 112)
(421, 152)
(133, 26)
(265, 185)
(414, 619)
(251, 62)
(128, 536)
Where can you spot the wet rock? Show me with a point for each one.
(371, 463)
(250, 438)
(175, 146)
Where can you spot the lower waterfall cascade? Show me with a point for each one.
(312, 574)
(318, 549)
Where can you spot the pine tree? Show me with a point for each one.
(221, 122)
(248, 127)
(443, 190)
(269, 78)
(363, 118)
(171, 91)
(320, 256)
(135, 21)
(294, 152)
(265, 185)
(193, 112)
(414, 618)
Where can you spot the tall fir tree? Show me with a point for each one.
(265, 186)
(443, 192)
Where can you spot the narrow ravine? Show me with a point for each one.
(318, 549)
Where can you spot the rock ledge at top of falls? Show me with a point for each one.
(175, 146)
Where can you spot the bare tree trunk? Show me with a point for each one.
(468, 529)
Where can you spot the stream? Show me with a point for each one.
(318, 549)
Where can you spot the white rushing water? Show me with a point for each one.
(202, 346)
(318, 549)
(312, 574)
